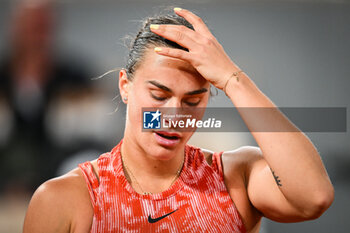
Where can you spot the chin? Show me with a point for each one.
(163, 153)
(160, 150)
(163, 157)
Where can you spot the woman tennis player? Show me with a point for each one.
(155, 182)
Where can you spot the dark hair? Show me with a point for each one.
(145, 39)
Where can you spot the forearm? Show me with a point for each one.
(292, 157)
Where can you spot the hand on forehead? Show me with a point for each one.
(159, 65)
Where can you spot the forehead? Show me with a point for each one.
(169, 70)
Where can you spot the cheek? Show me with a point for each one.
(137, 100)
(134, 113)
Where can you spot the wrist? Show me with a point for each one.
(234, 81)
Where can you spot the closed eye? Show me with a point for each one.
(192, 103)
(158, 97)
(161, 95)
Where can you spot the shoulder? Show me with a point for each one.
(242, 156)
(56, 204)
(245, 155)
(240, 161)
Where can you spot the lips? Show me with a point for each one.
(168, 135)
(167, 139)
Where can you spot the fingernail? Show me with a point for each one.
(154, 26)
(157, 49)
(177, 9)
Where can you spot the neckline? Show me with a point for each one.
(172, 190)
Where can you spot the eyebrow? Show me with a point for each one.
(165, 88)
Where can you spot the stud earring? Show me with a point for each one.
(125, 98)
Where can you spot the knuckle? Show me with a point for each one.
(198, 19)
(207, 41)
(195, 60)
(178, 35)
(211, 37)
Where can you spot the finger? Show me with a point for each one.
(174, 53)
(195, 20)
(177, 33)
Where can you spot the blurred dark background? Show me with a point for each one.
(54, 116)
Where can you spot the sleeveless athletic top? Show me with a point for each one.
(197, 201)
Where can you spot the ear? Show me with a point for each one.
(123, 85)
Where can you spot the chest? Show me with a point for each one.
(186, 211)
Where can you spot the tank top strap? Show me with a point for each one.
(216, 164)
(90, 179)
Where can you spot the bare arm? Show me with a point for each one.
(58, 204)
(289, 181)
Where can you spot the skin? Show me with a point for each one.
(303, 191)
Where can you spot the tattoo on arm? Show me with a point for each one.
(278, 181)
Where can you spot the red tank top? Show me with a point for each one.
(197, 201)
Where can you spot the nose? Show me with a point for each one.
(174, 103)
(172, 108)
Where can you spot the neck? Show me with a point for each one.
(145, 165)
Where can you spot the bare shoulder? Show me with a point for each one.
(243, 155)
(56, 204)
(244, 160)
(238, 158)
(237, 165)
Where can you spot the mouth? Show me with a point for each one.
(167, 139)
(168, 135)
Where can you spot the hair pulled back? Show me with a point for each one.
(146, 39)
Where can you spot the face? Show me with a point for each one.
(161, 81)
